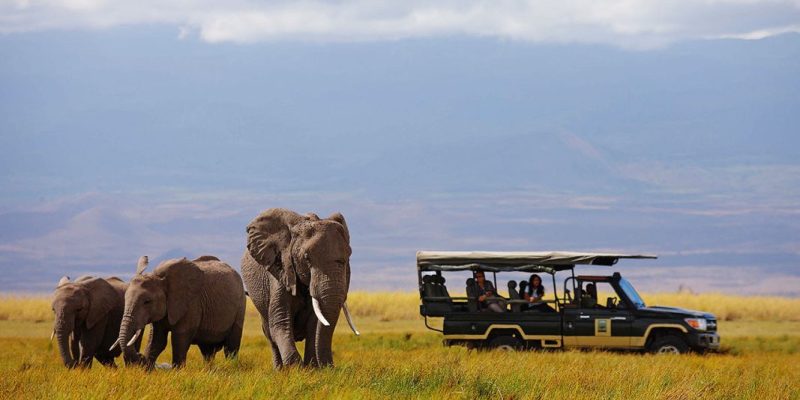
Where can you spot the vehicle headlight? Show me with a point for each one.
(697, 323)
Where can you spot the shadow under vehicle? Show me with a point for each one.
(573, 317)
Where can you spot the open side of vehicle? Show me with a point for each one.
(577, 317)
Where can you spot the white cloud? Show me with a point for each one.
(626, 23)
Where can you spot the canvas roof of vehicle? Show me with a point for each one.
(498, 261)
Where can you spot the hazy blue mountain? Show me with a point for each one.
(134, 142)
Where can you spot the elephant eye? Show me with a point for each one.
(148, 301)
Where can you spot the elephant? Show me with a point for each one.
(297, 273)
(200, 302)
(90, 311)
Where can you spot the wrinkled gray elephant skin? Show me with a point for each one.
(200, 302)
(297, 272)
(88, 313)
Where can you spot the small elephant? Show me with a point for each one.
(90, 311)
(200, 302)
(297, 272)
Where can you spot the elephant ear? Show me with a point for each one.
(338, 217)
(269, 239)
(102, 299)
(311, 216)
(141, 265)
(183, 283)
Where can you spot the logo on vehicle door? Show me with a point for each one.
(602, 327)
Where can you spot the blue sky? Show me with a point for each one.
(620, 126)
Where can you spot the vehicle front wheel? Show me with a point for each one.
(508, 343)
(669, 344)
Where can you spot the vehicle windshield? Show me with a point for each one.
(631, 293)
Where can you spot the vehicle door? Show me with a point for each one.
(598, 322)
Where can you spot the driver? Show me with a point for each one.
(589, 296)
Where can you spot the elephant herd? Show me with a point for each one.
(296, 269)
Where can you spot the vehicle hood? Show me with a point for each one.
(677, 312)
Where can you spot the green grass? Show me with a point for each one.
(397, 357)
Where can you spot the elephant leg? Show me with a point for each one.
(233, 341)
(90, 344)
(285, 346)
(208, 351)
(257, 282)
(281, 328)
(106, 361)
(86, 361)
(180, 346)
(277, 361)
(156, 344)
(310, 352)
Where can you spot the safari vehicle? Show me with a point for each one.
(573, 317)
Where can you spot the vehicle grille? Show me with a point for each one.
(711, 325)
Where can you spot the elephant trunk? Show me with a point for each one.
(65, 325)
(126, 330)
(330, 307)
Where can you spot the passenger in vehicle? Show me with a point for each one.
(485, 292)
(534, 294)
(589, 296)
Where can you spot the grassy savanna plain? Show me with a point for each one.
(397, 357)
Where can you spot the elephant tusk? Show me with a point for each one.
(349, 319)
(317, 311)
(135, 336)
(114, 346)
(52, 335)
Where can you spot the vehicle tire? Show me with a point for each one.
(507, 343)
(669, 344)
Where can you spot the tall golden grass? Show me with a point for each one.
(25, 308)
(396, 357)
(393, 366)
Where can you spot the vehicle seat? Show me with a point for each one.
(472, 299)
(523, 287)
(438, 286)
(514, 295)
(432, 290)
(427, 286)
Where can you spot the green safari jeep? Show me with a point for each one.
(590, 311)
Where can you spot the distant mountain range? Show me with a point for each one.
(134, 142)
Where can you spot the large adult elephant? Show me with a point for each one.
(200, 302)
(88, 310)
(297, 272)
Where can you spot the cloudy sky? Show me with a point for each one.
(162, 128)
